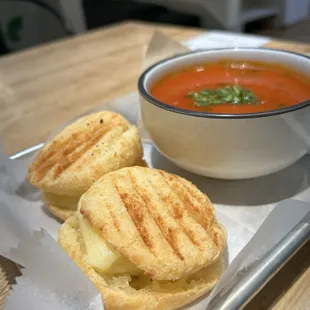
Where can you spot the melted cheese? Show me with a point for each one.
(101, 255)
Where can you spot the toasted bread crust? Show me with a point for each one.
(117, 293)
(161, 222)
(60, 213)
(63, 213)
(84, 151)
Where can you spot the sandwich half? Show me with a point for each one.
(147, 239)
(79, 155)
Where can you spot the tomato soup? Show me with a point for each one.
(233, 87)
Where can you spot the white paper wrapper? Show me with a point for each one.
(52, 281)
(220, 39)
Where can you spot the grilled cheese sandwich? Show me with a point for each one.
(79, 155)
(146, 238)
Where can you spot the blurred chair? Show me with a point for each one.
(49, 6)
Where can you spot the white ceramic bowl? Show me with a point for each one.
(227, 146)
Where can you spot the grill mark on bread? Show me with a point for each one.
(205, 221)
(193, 210)
(50, 152)
(84, 213)
(70, 150)
(109, 143)
(178, 210)
(60, 144)
(48, 161)
(103, 227)
(216, 237)
(114, 219)
(58, 149)
(68, 161)
(202, 199)
(171, 236)
(135, 212)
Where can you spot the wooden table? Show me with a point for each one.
(43, 87)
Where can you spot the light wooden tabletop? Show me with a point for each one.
(41, 88)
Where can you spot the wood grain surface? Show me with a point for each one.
(43, 87)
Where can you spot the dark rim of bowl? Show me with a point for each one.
(146, 95)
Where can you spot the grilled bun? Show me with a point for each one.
(138, 293)
(146, 238)
(161, 222)
(61, 208)
(80, 154)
